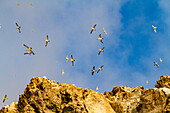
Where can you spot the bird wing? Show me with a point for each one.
(32, 52)
(99, 35)
(25, 53)
(19, 30)
(66, 58)
(93, 67)
(71, 57)
(4, 98)
(102, 48)
(31, 4)
(104, 31)
(99, 52)
(47, 37)
(18, 4)
(94, 26)
(91, 31)
(98, 70)
(16, 24)
(92, 72)
(101, 41)
(46, 43)
(72, 63)
(101, 66)
(26, 46)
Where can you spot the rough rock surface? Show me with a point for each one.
(45, 96)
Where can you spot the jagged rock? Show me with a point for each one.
(46, 96)
(164, 82)
(140, 100)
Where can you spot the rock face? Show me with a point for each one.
(45, 96)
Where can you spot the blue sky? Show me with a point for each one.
(131, 45)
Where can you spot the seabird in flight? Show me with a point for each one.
(67, 58)
(93, 70)
(100, 69)
(100, 38)
(31, 4)
(62, 72)
(18, 27)
(104, 31)
(28, 49)
(93, 28)
(46, 41)
(18, 4)
(156, 64)
(160, 60)
(147, 82)
(5, 98)
(154, 28)
(72, 60)
(100, 50)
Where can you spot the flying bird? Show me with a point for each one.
(147, 82)
(46, 41)
(0, 25)
(156, 64)
(100, 38)
(72, 60)
(18, 27)
(56, 61)
(31, 4)
(32, 30)
(5, 98)
(100, 50)
(97, 88)
(93, 28)
(29, 49)
(160, 60)
(93, 70)
(100, 69)
(27, 53)
(62, 72)
(18, 4)
(104, 31)
(67, 58)
(154, 28)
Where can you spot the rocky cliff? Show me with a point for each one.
(46, 96)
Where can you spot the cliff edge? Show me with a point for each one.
(46, 96)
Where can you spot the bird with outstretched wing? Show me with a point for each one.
(104, 31)
(93, 28)
(29, 49)
(18, 27)
(100, 50)
(99, 69)
(72, 60)
(100, 38)
(93, 70)
(5, 98)
(46, 41)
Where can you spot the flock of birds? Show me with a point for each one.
(30, 51)
(155, 63)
